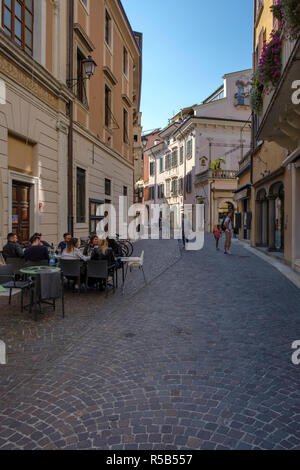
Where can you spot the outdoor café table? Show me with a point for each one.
(34, 271)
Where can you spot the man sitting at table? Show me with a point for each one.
(37, 251)
(63, 245)
(12, 249)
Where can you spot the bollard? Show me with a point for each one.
(2, 353)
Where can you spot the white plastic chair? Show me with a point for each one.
(135, 263)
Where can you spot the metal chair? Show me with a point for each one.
(101, 270)
(71, 269)
(135, 263)
(29, 264)
(17, 263)
(8, 281)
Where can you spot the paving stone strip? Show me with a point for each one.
(199, 359)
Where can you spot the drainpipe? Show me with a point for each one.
(70, 137)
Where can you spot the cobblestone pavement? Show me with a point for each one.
(198, 359)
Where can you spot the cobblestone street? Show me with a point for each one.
(200, 358)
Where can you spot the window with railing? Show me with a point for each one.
(17, 22)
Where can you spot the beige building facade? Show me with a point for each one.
(66, 141)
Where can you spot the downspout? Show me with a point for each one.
(252, 119)
(70, 136)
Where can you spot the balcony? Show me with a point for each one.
(216, 175)
(280, 118)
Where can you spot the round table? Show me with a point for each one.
(37, 271)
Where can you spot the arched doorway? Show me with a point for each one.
(223, 209)
(276, 216)
(262, 218)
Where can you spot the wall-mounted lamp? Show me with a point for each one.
(89, 66)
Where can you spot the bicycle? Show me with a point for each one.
(126, 246)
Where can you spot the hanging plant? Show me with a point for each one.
(216, 164)
(276, 9)
(269, 69)
(256, 98)
(288, 13)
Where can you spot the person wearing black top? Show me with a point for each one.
(63, 245)
(103, 253)
(36, 252)
(43, 242)
(12, 249)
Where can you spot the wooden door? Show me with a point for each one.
(21, 211)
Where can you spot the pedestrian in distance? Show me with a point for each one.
(217, 235)
(228, 233)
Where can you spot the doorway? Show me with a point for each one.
(21, 211)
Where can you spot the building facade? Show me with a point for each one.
(198, 159)
(276, 141)
(66, 141)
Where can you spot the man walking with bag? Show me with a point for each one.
(228, 234)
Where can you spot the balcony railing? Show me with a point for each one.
(287, 49)
(216, 175)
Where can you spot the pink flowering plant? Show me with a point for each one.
(288, 14)
(269, 68)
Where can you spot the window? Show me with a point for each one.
(152, 168)
(125, 126)
(161, 165)
(107, 106)
(125, 191)
(181, 155)
(17, 22)
(189, 149)
(95, 217)
(107, 187)
(168, 161)
(161, 190)
(241, 95)
(108, 28)
(80, 196)
(151, 193)
(125, 61)
(81, 95)
(188, 185)
(180, 186)
(174, 158)
(168, 188)
(174, 189)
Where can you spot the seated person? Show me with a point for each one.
(36, 251)
(43, 242)
(102, 252)
(116, 247)
(72, 251)
(63, 245)
(12, 249)
(93, 243)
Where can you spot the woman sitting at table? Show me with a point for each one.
(102, 252)
(72, 251)
(93, 243)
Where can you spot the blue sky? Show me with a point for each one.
(188, 46)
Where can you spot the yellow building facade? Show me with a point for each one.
(275, 131)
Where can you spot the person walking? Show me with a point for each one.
(228, 234)
(217, 235)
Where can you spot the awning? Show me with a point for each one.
(242, 194)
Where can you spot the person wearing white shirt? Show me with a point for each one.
(228, 233)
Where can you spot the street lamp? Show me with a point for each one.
(89, 66)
